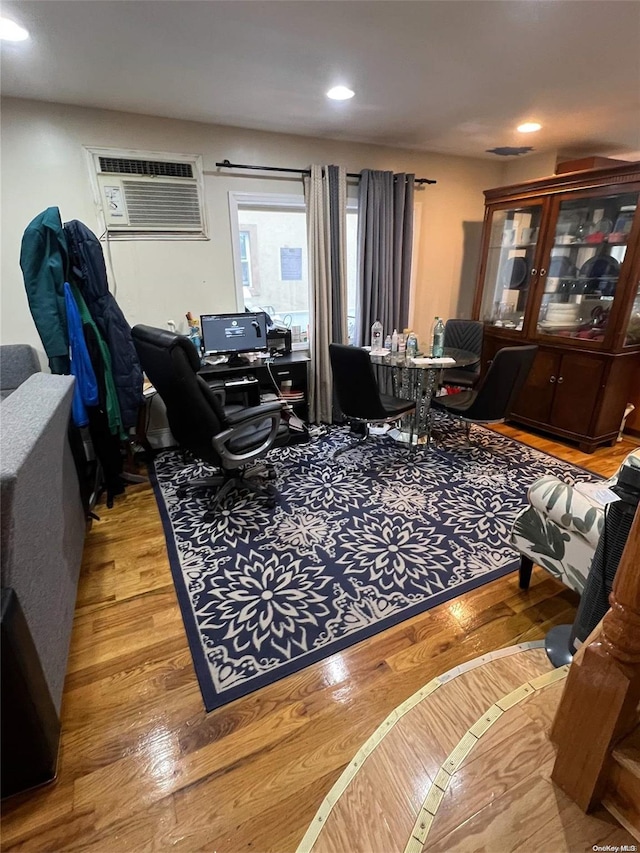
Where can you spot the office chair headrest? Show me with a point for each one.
(164, 339)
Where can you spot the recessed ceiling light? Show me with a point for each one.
(10, 31)
(529, 127)
(340, 93)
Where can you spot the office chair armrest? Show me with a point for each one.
(238, 422)
(217, 388)
(260, 412)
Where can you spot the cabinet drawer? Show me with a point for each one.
(297, 373)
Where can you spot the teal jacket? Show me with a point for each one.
(44, 260)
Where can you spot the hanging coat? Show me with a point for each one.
(85, 389)
(90, 275)
(44, 261)
(104, 373)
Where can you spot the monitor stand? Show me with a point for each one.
(237, 360)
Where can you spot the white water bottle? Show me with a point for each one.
(376, 336)
(394, 341)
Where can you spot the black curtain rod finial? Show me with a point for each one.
(225, 164)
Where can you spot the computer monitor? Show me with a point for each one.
(233, 334)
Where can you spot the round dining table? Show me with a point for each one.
(417, 379)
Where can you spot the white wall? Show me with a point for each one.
(528, 168)
(43, 165)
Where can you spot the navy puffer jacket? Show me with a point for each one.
(90, 275)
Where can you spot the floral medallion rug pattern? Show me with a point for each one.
(355, 545)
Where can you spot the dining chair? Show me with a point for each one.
(464, 335)
(358, 394)
(492, 401)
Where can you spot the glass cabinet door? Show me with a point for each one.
(509, 272)
(588, 250)
(632, 335)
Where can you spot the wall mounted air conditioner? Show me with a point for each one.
(146, 193)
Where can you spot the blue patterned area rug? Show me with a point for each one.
(354, 546)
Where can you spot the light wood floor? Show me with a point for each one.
(465, 766)
(142, 767)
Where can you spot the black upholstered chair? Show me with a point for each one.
(467, 335)
(228, 438)
(493, 400)
(357, 391)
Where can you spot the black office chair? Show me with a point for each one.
(228, 438)
(358, 394)
(493, 400)
(467, 335)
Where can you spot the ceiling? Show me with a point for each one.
(453, 76)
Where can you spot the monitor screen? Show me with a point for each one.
(234, 333)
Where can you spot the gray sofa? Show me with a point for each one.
(42, 533)
(17, 363)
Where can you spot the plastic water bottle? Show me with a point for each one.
(194, 337)
(438, 338)
(394, 341)
(412, 345)
(387, 343)
(402, 344)
(376, 336)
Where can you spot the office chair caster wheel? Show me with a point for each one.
(271, 475)
(181, 492)
(270, 502)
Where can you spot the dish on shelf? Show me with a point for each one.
(561, 267)
(569, 325)
(600, 266)
(514, 273)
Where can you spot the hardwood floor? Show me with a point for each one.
(464, 765)
(142, 767)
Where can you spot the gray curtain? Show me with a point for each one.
(326, 191)
(385, 237)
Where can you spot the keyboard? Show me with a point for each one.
(240, 381)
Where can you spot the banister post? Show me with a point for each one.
(599, 705)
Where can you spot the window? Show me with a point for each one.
(245, 258)
(270, 233)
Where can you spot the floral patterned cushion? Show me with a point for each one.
(560, 528)
(567, 508)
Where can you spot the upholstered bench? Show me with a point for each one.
(560, 528)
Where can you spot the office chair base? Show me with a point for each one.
(255, 478)
(236, 484)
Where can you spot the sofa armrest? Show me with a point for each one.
(17, 363)
(568, 508)
(42, 519)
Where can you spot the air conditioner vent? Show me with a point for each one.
(146, 195)
(157, 204)
(161, 168)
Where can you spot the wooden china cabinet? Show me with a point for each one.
(560, 267)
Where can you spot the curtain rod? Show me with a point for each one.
(225, 164)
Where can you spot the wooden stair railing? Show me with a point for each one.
(599, 705)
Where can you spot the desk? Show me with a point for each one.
(417, 382)
(291, 368)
